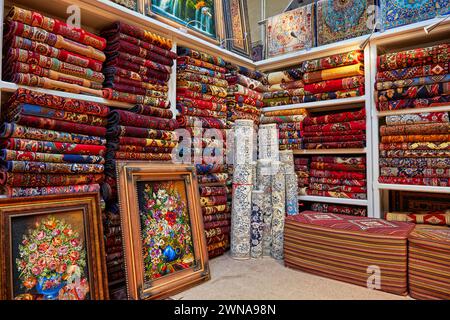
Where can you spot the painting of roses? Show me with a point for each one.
(52, 248)
(165, 227)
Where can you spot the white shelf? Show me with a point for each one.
(318, 104)
(410, 111)
(11, 87)
(355, 202)
(330, 151)
(406, 187)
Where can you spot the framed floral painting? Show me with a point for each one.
(51, 248)
(164, 241)
(203, 17)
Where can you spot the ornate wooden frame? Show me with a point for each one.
(218, 19)
(128, 174)
(88, 203)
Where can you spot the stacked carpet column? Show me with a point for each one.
(278, 209)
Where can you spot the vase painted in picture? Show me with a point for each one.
(198, 15)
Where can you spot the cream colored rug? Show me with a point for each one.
(268, 279)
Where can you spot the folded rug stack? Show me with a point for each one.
(429, 263)
(289, 123)
(339, 209)
(415, 149)
(333, 77)
(335, 131)
(113, 246)
(433, 217)
(349, 249)
(302, 170)
(202, 105)
(417, 78)
(138, 66)
(338, 177)
(51, 145)
(244, 93)
(48, 53)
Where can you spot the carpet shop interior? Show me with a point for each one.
(168, 149)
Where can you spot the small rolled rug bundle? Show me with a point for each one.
(414, 149)
(417, 78)
(47, 149)
(333, 77)
(47, 53)
(138, 66)
(287, 124)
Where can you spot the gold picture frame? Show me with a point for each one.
(163, 236)
(149, 9)
(75, 271)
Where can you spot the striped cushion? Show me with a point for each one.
(343, 247)
(429, 263)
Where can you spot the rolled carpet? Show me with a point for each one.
(44, 180)
(17, 155)
(14, 192)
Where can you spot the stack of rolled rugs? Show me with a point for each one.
(244, 93)
(289, 124)
(48, 53)
(202, 107)
(338, 177)
(115, 262)
(301, 166)
(333, 77)
(343, 130)
(417, 78)
(138, 65)
(359, 211)
(415, 149)
(51, 145)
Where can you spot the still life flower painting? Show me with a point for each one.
(52, 261)
(52, 248)
(165, 228)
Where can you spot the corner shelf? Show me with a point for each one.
(330, 151)
(356, 202)
(407, 187)
(318, 104)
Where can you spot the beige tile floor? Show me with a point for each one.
(268, 279)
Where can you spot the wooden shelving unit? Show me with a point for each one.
(98, 14)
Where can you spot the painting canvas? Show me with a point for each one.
(201, 16)
(237, 26)
(290, 31)
(395, 13)
(53, 248)
(163, 236)
(130, 4)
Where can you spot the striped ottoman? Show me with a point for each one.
(357, 250)
(429, 263)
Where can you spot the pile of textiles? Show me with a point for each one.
(338, 177)
(51, 145)
(429, 263)
(339, 209)
(333, 77)
(415, 149)
(302, 170)
(244, 93)
(417, 78)
(342, 247)
(289, 124)
(434, 217)
(138, 66)
(48, 53)
(115, 263)
(342, 130)
(202, 106)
